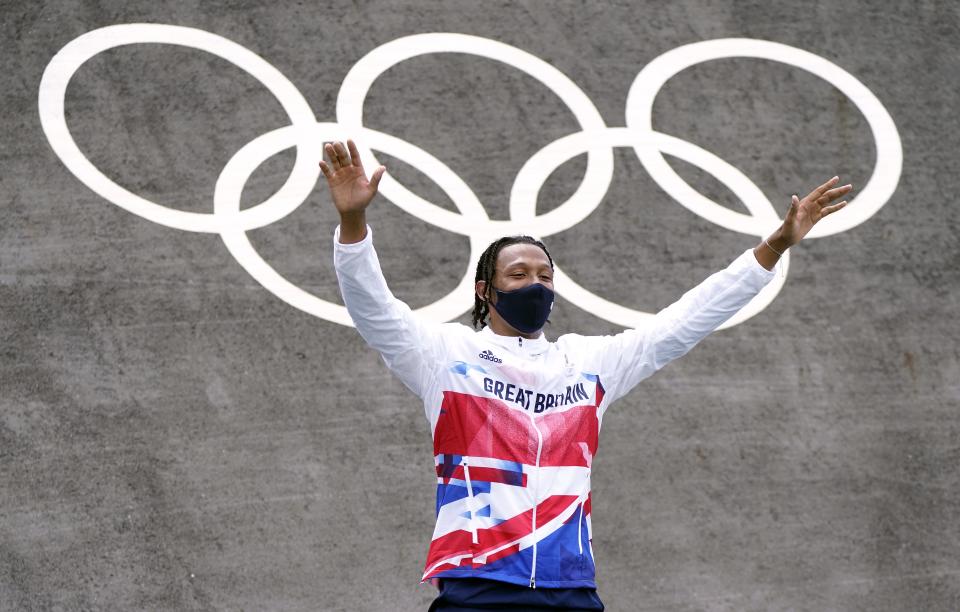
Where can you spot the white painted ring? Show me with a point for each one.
(53, 89)
(358, 81)
(649, 81)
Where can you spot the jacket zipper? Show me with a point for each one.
(471, 505)
(580, 528)
(536, 495)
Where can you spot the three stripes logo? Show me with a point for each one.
(489, 356)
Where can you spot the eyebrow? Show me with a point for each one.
(520, 264)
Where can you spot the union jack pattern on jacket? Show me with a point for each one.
(515, 422)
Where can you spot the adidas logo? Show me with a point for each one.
(489, 356)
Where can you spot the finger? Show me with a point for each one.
(377, 175)
(342, 156)
(334, 157)
(827, 210)
(331, 155)
(794, 206)
(325, 169)
(819, 191)
(833, 194)
(354, 154)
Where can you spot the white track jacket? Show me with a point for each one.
(515, 422)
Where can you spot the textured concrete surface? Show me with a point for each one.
(174, 437)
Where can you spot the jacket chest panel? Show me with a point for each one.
(536, 384)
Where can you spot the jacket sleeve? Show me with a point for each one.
(629, 357)
(409, 345)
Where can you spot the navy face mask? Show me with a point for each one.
(526, 309)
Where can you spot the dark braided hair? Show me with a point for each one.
(486, 268)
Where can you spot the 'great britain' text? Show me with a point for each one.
(529, 400)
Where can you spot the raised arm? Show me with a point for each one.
(635, 354)
(409, 346)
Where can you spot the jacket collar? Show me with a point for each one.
(516, 344)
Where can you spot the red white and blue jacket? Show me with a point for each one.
(515, 422)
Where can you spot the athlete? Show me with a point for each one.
(515, 417)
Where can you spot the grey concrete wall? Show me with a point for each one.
(174, 437)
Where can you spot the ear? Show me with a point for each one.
(481, 290)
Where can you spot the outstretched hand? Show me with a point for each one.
(349, 188)
(800, 219)
(805, 213)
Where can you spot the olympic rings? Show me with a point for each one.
(595, 139)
